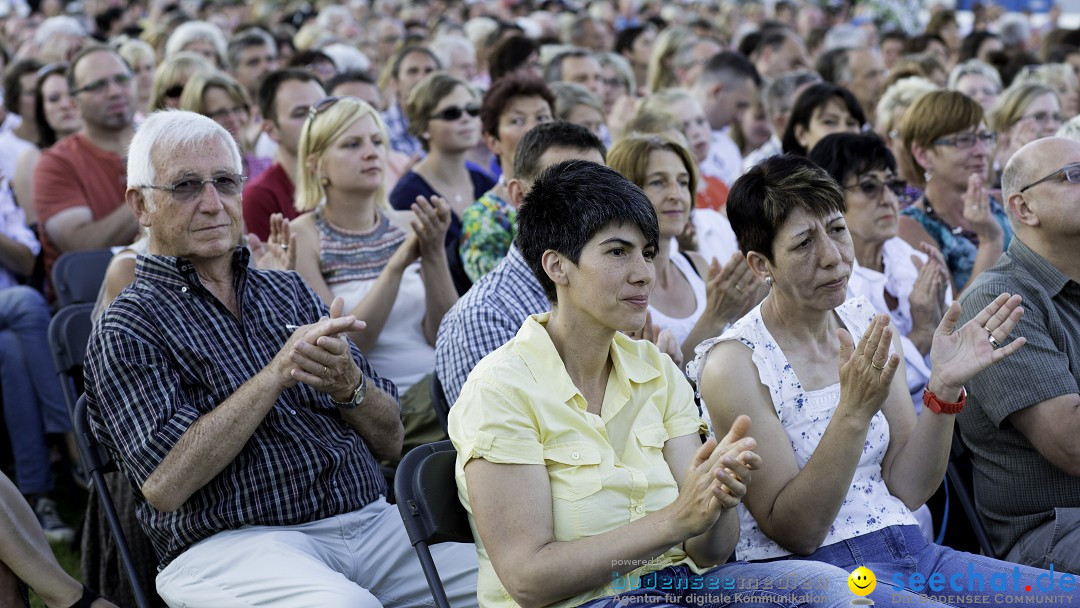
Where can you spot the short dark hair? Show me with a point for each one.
(568, 204)
(251, 37)
(271, 83)
(920, 43)
(507, 89)
(13, 82)
(553, 70)
(624, 40)
(347, 77)
(508, 55)
(773, 38)
(969, 48)
(833, 65)
(762, 199)
(845, 154)
(898, 35)
(729, 66)
(544, 136)
(812, 98)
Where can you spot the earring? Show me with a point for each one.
(926, 176)
(426, 136)
(768, 281)
(325, 181)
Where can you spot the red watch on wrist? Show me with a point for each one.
(938, 406)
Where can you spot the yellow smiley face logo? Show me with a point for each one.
(862, 581)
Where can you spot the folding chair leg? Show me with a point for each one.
(121, 543)
(427, 563)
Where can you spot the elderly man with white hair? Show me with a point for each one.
(248, 424)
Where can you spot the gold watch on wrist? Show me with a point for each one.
(357, 396)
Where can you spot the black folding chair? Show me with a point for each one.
(77, 275)
(439, 402)
(69, 333)
(429, 506)
(959, 474)
(97, 462)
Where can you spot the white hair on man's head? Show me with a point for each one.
(331, 15)
(845, 36)
(444, 44)
(57, 26)
(347, 58)
(478, 29)
(1070, 129)
(192, 31)
(166, 132)
(1014, 29)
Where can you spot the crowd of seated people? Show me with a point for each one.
(385, 209)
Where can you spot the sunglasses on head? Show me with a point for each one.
(455, 112)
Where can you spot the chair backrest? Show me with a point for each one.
(439, 402)
(427, 495)
(69, 333)
(94, 457)
(959, 473)
(77, 275)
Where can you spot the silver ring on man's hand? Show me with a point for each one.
(325, 370)
(994, 342)
(875, 366)
(284, 246)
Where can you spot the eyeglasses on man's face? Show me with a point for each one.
(99, 85)
(1071, 172)
(967, 140)
(189, 188)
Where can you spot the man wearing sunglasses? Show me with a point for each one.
(79, 181)
(1023, 415)
(249, 424)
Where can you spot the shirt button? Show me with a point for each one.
(576, 456)
(639, 509)
(183, 289)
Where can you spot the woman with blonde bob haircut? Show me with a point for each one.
(947, 152)
(691, 298)
(1026, 111)
(221, 98)
(389, 266)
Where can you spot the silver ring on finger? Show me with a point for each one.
(994, 342)
(284, 246)
(325, 370)
(880, 368)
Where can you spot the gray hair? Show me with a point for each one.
(901, 94)
(444, 44)
(1014, 30)
(973, 66)
(248, 38)
(166, 132)
(622, 66)
(347, 58)
(553, 68)
(779, 94)
(58, 26)
(844, 36)
(1071, 129)
(193, 31)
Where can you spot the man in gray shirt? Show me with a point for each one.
(1022, 419)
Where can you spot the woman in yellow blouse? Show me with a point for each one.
(580, 458)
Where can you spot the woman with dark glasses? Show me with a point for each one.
(443, 113)
(911, 286)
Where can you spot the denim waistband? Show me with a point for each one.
(896, 544)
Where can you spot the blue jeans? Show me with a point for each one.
(789, 583)
(901, 559)
(32, 402)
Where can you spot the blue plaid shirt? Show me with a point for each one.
(485, 318)
(167, 351)
(398, 129)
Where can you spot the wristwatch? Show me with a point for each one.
(937, 406)
(357, 396)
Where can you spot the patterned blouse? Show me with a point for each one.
(488, 227)
(958, 247)
(355, 255)
(869, 505)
